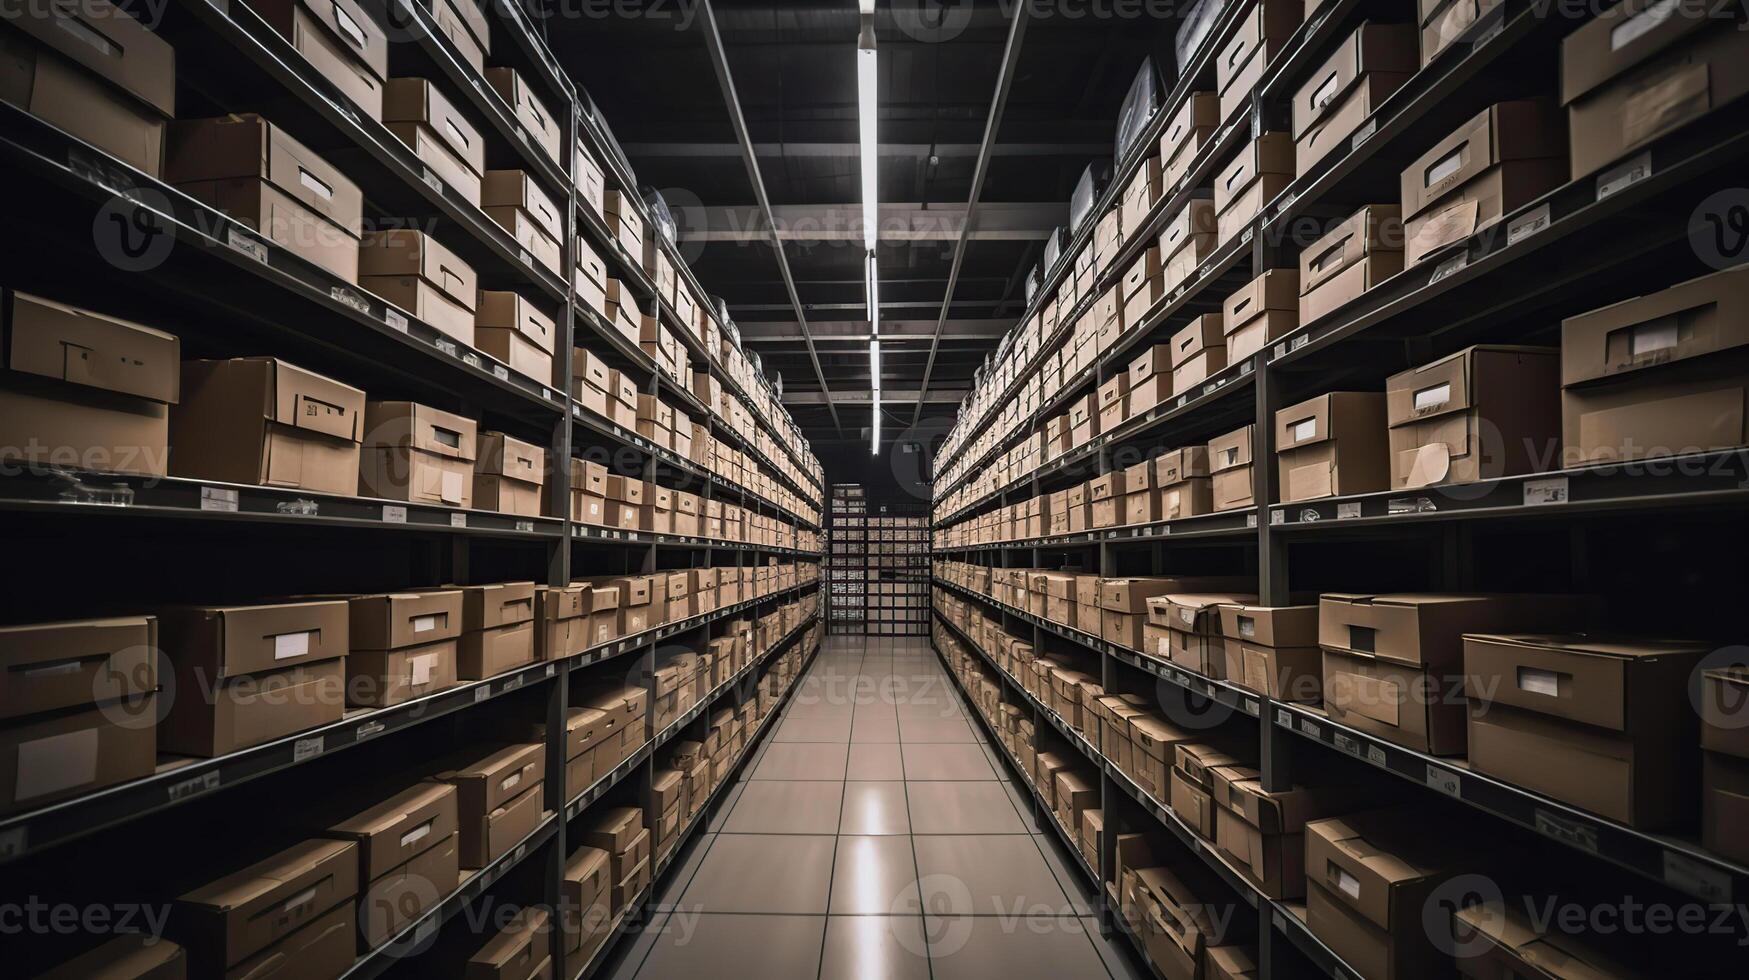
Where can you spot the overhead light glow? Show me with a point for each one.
(874, 371)
(867, 81)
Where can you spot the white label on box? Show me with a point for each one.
(1346, 883)
(302, 898)
(1648, 338)
(289, 645)
(1549, 490)
(1527, 224)
(1449, 267)
(1546, 683)
(1688, 875)
(1445, 781)
(417, 834)
(419, 669)
(1432, 397)
(246, 244)
(394, 514)
(424, 624)
(1623, 176)
(308, 748)
(55, 764)
(1307, 429)
(219, 499)
(458, 519)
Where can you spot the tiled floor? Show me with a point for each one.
(874, 836)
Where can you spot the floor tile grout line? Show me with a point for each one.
(916, 867)
(832, 871)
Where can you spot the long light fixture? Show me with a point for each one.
(867, 84)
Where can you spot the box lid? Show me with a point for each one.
(357, 32)
(1594, 679)
(503, 310)
(1271, 626)
(1321, 418)
(408, 252)
(247, 146)
(517, 189)
(401, 619)
(1196, 612)
(416, 100)
(407, 425)
(300, 398)
(78, 346)
(498, 604)
(1514, 130)
(109, 41)
(1625, 35)
(47, 666)
(295, 886)
(498, 776)
(503, 455)
(230, 641)
(1692, 319)
(1373, 228)
(406, 824)
(519, 944)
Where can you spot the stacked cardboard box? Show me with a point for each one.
(1333, 444)
(589, 912)
(622, 833)
(515, 331)
(419, 113)
(1273, 650)
(298, 906)
(519, 951)
(419, 274)
(263, 421)
(499, 797)
(403, 646)
(1724, 737)
(417, 454)
(408, 852)
(497, 629)
(509, 475)
(1330, 108)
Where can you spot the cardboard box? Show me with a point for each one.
(402, 646)
(1190, 800)
(515, 331)
(1725, 805)
(54, 666)
(588, 892)
(498, 799)
(1635, 73)
(1260, 312)
(255, 173)
(422, 116)
(509, 475)
(1479, 414)
(262, 421)
(465, 25)
(1198, 352)
(517, 203)
(1232, 485)
(49, 757)
(129, 956)
(1445, 22)
(417, 273)
(1248, 180)
(115, 92)
(497, 629)
(528, 108)
(1264, 832)
(625, 221)
(1261, 34)
(1185, 135)
(1332, 445)
(1499, 940)
(1602, 723)
(1351, 258)
(1370, 877)
(340, 41)
(1658, 375)
(109, 409)
(271, 670)
(1187, 240)
(1343, 93)
(519, 951)
(1503, 158)
(224, 922)
(407, 854)
(1393, 663)
(1139, 196)
(417, 454)
(1273, 650)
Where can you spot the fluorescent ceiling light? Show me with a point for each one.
(867, 81)
(874, 371)
(868, 6)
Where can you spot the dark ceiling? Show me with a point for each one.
(647, 65)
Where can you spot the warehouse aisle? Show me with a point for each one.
(874, 836)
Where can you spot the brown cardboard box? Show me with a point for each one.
(1503, 158)
(260, 420)
(1393, 663)
(561, 620)
(1198, 352)
(519, 951)
(1602, 723)
(1232, 484)
(422, 116)
(1143, 285)
(1635, 72)
(514, 331)
(52, 756)
(1192, 803)
(271, 670)
(625, 221)
(588, 891)
(497, 629)
(1260, 312)
(1370, 876)
(1139, 197)
(340, 40)
(1248, 180)
(1273, 650)
(407, 856)
(129, 956)
(1351, 258)
(1660, 374)
(417, 273)
(1725, 805)
(1444, 22)
(402, 646)
(1500, 941)
(529, 109)
(1233, 962)
(1332, 445)
(1193, 622)
(1479, 414)
(1262, 33)
(1264, 832)
(465, 25)
(509, 475)
(1185, 135)
(254, 172)
(224, 922)
(417, 454)
(517, 203)
(1185, 242)
(1344, 92)
(52, 666)
(108, 410)
(96, 73)
(498, 799)
(1150, 379)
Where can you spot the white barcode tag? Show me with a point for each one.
(1619, 178)
(395, 319)
(458, 520)
(1527, 224)
(1445, 781)
(1550, 490)
(307, 748)
(218, 499)
(1449, 267)
(394, 514)
(246, 244)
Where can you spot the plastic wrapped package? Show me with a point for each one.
(1194, 29)
(1138, 107)
(1093, 182)
(660, 216)
(1053, 250)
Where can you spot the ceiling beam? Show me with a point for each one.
(938, 396)
(832, 149)
(720, 63)
(998, 104)
(782, 331)
(807, 223)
